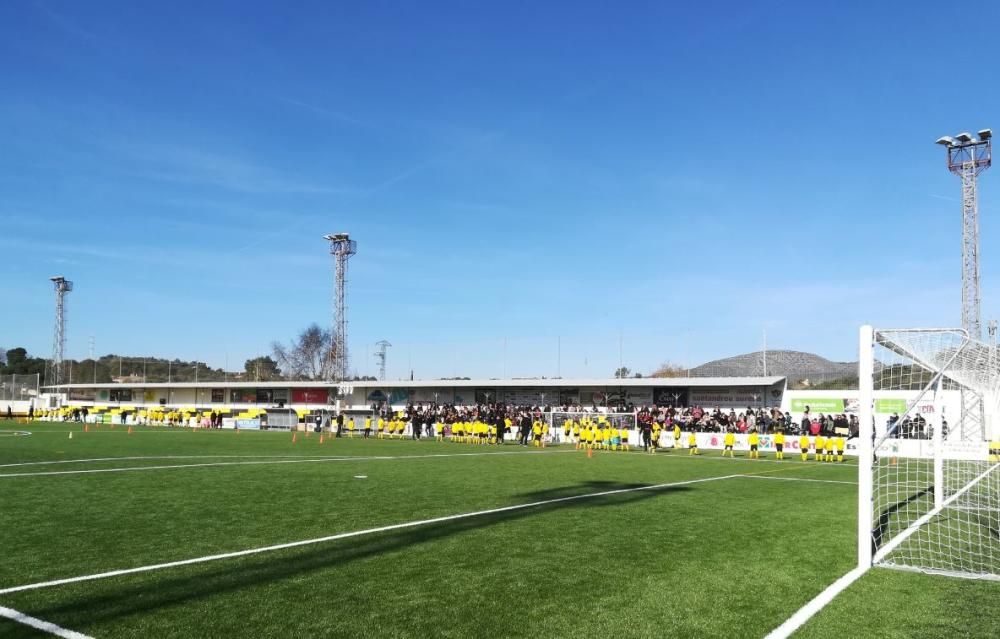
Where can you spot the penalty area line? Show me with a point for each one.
(817, 603)
(348, 535)
(809, 479)
(39, 624)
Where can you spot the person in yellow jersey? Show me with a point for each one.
(350, 428)
(623, 433)
(616, 439)
(841, 445)
(828, 448)
(995, 450)
(576, 434)
(592, 440)
(457, 431)
(657, 429)
(693, 444)
(610, 435)
(368, 427)
(567, 428)
(779, 445)
(819, 443)
(677, 435)
(804, 446)
(728, 441)
(753, 438)
(378, 428)
(536, 433)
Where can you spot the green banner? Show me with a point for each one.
(890, 405)
(818, 405)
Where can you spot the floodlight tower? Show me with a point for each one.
(967, 158)
(62, 286)
(380, 356)
(342, 247)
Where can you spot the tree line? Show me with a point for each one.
(308, 356)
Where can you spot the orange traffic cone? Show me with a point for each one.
(294, 435)
(129, 430)
(321, 438)
(86, 428)
(590, 453)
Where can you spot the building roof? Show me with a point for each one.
(630, 382)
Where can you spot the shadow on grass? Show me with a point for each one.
(885, 517)
(118, 601)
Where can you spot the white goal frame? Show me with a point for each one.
(957, 468)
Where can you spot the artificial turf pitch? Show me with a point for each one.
(709, 557)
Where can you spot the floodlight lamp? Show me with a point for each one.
(945, 140)
(985, 134)
(964, 137)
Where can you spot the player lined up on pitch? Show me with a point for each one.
(599, 434)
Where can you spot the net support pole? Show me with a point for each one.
(938, 444)
(866, 416)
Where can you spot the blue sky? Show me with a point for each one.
(531, 185)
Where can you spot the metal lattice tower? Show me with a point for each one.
(341, 248)
(967, 158)
(380, 356)
(62, 286)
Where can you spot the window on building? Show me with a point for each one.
(121, 395)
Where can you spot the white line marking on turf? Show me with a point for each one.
(803, 614)
(38, 624)
(347, 535)
(143, 457)
(820, 481)
(307, 460)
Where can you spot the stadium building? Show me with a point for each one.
(733, 392)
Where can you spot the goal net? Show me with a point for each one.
(929, 480)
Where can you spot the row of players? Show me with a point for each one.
(602, 435)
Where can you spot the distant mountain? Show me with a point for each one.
(795, 365)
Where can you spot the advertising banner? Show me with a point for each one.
(890, 405)
(635, 396)
(725, 397)
(528, 396)
(670, 396)
(818, 405)
(427, 395)
(309, 395)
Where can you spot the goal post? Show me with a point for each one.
(929, 484)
